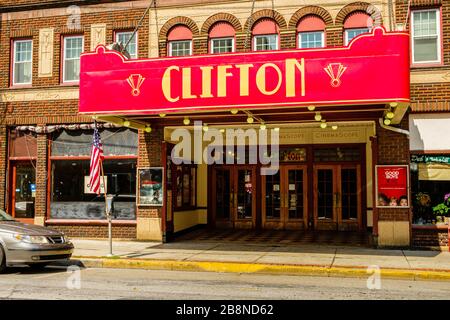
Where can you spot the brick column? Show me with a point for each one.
(148, 219)
(394, 225)
(240, 42)
(40, 209)
(334, 36)
(3, 166)
(288, 39)
(200, 45)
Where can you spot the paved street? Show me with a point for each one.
(51, 283)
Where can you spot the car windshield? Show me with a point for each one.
(5, 217)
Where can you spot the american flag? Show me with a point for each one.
(96, 159)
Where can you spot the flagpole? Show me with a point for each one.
(107, 212)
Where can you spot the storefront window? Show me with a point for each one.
(430, 184)
(70, 194)
(185, 187)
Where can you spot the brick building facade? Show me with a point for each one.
(49, 100)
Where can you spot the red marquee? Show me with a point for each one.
(373, 69)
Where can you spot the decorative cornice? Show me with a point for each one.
(42, 94)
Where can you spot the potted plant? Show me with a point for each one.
(423, 208)
(442, 209)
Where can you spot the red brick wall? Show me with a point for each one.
(429, 238)
(150, 155)
(393, 148)
(95, 231)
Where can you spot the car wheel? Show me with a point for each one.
(38, 266)
(2, 259)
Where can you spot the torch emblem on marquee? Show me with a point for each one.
(335, 71)
(135, 81)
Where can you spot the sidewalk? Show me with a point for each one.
(261, 258)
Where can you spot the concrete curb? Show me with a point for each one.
(259, 268)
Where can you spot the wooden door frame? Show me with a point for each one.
(317, 167)
(277, 223)
(359, 196)
(235, 169)
(285, 172)
(12, 198)
(213, 215)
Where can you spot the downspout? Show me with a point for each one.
(398, 130)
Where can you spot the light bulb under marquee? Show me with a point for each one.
(250, 120)
(390, 115)
(262, 127)
(205, 127)
(234, 111)
(323, 124)
(186, 121)
(334, 127)
(126, 123)
(387, 122)
(162, 115)
(393, 104)
(148, 129)
(311, 108)
(318, 116)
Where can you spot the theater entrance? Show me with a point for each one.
(323, 192)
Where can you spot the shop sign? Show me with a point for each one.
(293, 155)
(429, 159)
(373, 69)
(392, 186)
(87, 186)
(150, 186)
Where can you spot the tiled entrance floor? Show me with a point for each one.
(277, 236)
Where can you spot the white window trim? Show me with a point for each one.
(14, 83)
(211, 49)
(117, 33)
(439, 37)
(64, 57)
(174, 41)
(350, 29)
(322, 37)
(265, 35)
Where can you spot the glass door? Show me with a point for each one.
(23, 191)
(337, 197)
(296, 200)
(244, 196)
(272, 201)
(284, 198)
(325, 197)
(349, 206)
(222, 196)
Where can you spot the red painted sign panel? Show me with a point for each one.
(373, 69)
(392, 186)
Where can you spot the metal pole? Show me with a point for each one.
(107, 212)
(153, 3)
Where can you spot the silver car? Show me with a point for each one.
(35, 246)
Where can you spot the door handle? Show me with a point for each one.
(235, 199)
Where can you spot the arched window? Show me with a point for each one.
(311, 32)
(180, 41)
(221, 38)
(265, 35)
(356, 24)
